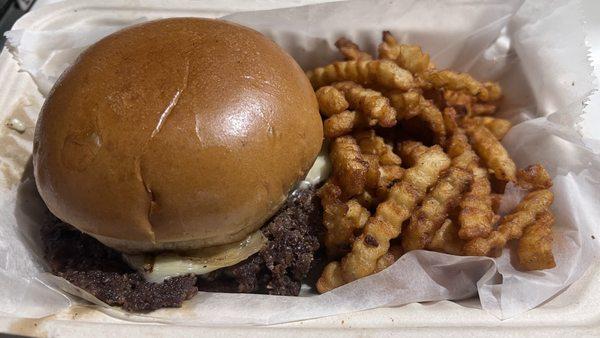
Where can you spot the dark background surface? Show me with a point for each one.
(10, 11)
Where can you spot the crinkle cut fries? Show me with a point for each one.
(418, 163)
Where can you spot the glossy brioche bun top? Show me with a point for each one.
(176, 134)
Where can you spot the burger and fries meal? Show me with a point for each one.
(174, 156)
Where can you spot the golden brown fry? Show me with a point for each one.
(491, 151)
(384, 262)
(388, 176)
(535, 246)
(388, 163)
(331, 278)
(342, 124)
(331, 101)
(512, 225)
(388, 157)
(460, 151)
(450, 117)
(411, 151)
(458, 147)
(409, 57)
(371, 103)
(498, 127)
(446, 239)
(449, 80)
(384, 73)
(534, 177)
(373, 172)
(341, 234)
(351, 51)
(340, 219)
(389, 258)
(476, 215)
(370, 143)
(349, 167)
(493, 92)
(428, 218)
(387, 222)
(459, 100)
(411, 104)
(366, 199)
(330, 194)
(431, 115)
(389, 47)
(405, 103)
(483, 109)
(468, 103)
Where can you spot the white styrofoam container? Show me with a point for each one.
(575, 311)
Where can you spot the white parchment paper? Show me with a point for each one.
(535, 50)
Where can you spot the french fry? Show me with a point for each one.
(373, 171)
(411, 104)
(366, 199)
(340, 219)
(535, 246)
(491, 151)
(331, 101)
(388, 176)
(406, 103)
(459, 100)
(370, 143)
(497, 126)
(431, 115)
(512, 226)
(372, 104)
(409, 57)
(460, 151)
(478, 108)
(351, 51)
(468, 103)
(428, 218)
(384, 73)
(476, 215)
(534, 177)
(411, 151)
(331, 278)
(450, 118)
(493, 92)
(349, 167)
(446, 239)
(389, 258)
(447, 79)
(382, 158)
(343, 123)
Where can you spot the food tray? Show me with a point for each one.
(575, 311)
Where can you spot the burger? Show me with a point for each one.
(172, 154)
